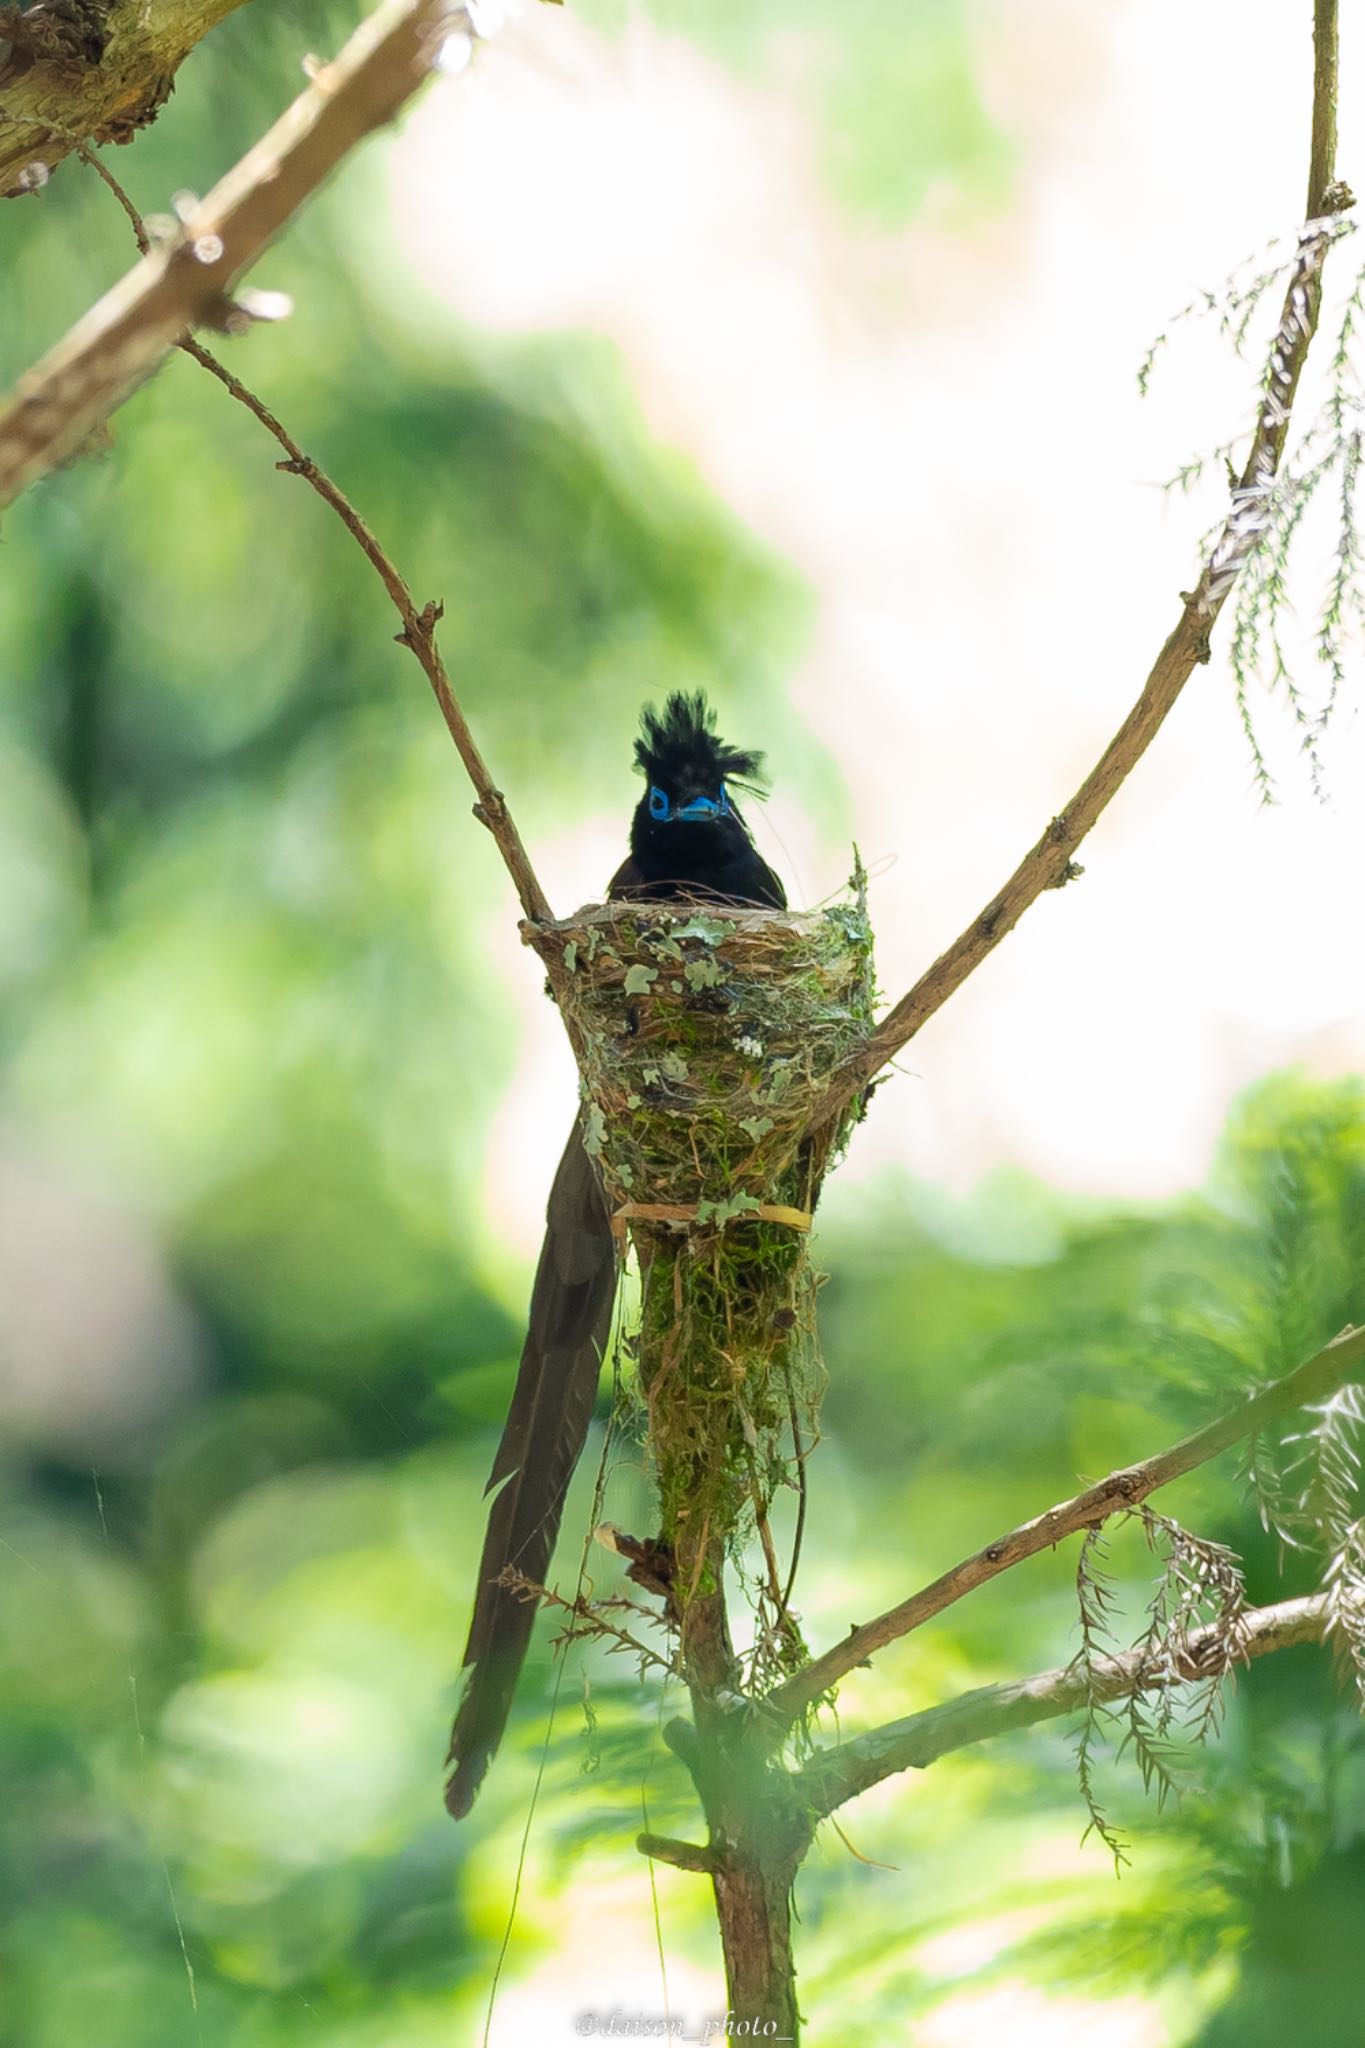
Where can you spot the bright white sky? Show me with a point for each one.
(941, 430)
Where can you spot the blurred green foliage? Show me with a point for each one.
(253, 1345)
(891, 92)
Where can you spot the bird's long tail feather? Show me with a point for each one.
(570, 1319)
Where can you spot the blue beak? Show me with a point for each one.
(693, 811)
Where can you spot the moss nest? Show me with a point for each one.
(705, 1034)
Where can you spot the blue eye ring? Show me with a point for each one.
(662, 811)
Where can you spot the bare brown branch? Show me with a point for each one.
(101, 169)
(834, 1775)
(419, 627)
(418, 634)
(1050, 863)
(120, 341)
(1341, 1360)
(96, 73)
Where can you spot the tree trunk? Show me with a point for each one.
(753, 1906)
(759, 1830)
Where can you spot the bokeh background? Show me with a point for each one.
(786, 351)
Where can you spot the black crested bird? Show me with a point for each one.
(687, 841)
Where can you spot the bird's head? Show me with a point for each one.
(689, 770)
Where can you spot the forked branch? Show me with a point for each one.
(1337, 1363)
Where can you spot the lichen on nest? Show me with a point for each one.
(704, 1035)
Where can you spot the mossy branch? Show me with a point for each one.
(88, 71)
(116, 345)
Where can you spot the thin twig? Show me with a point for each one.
(587, 1619)
(418, 634)
(1338, 1362)
(101, 169)
(834, 1775)
(419, 627)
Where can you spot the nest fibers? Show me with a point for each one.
(704, 1036)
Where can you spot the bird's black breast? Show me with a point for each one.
(679, 865)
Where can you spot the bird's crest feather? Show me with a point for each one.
(681, 746)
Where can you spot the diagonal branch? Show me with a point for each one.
(834, 1775)
(116, 345)
(418, 634)
(419, 627)
(1341, 1360)
(1050, 862)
